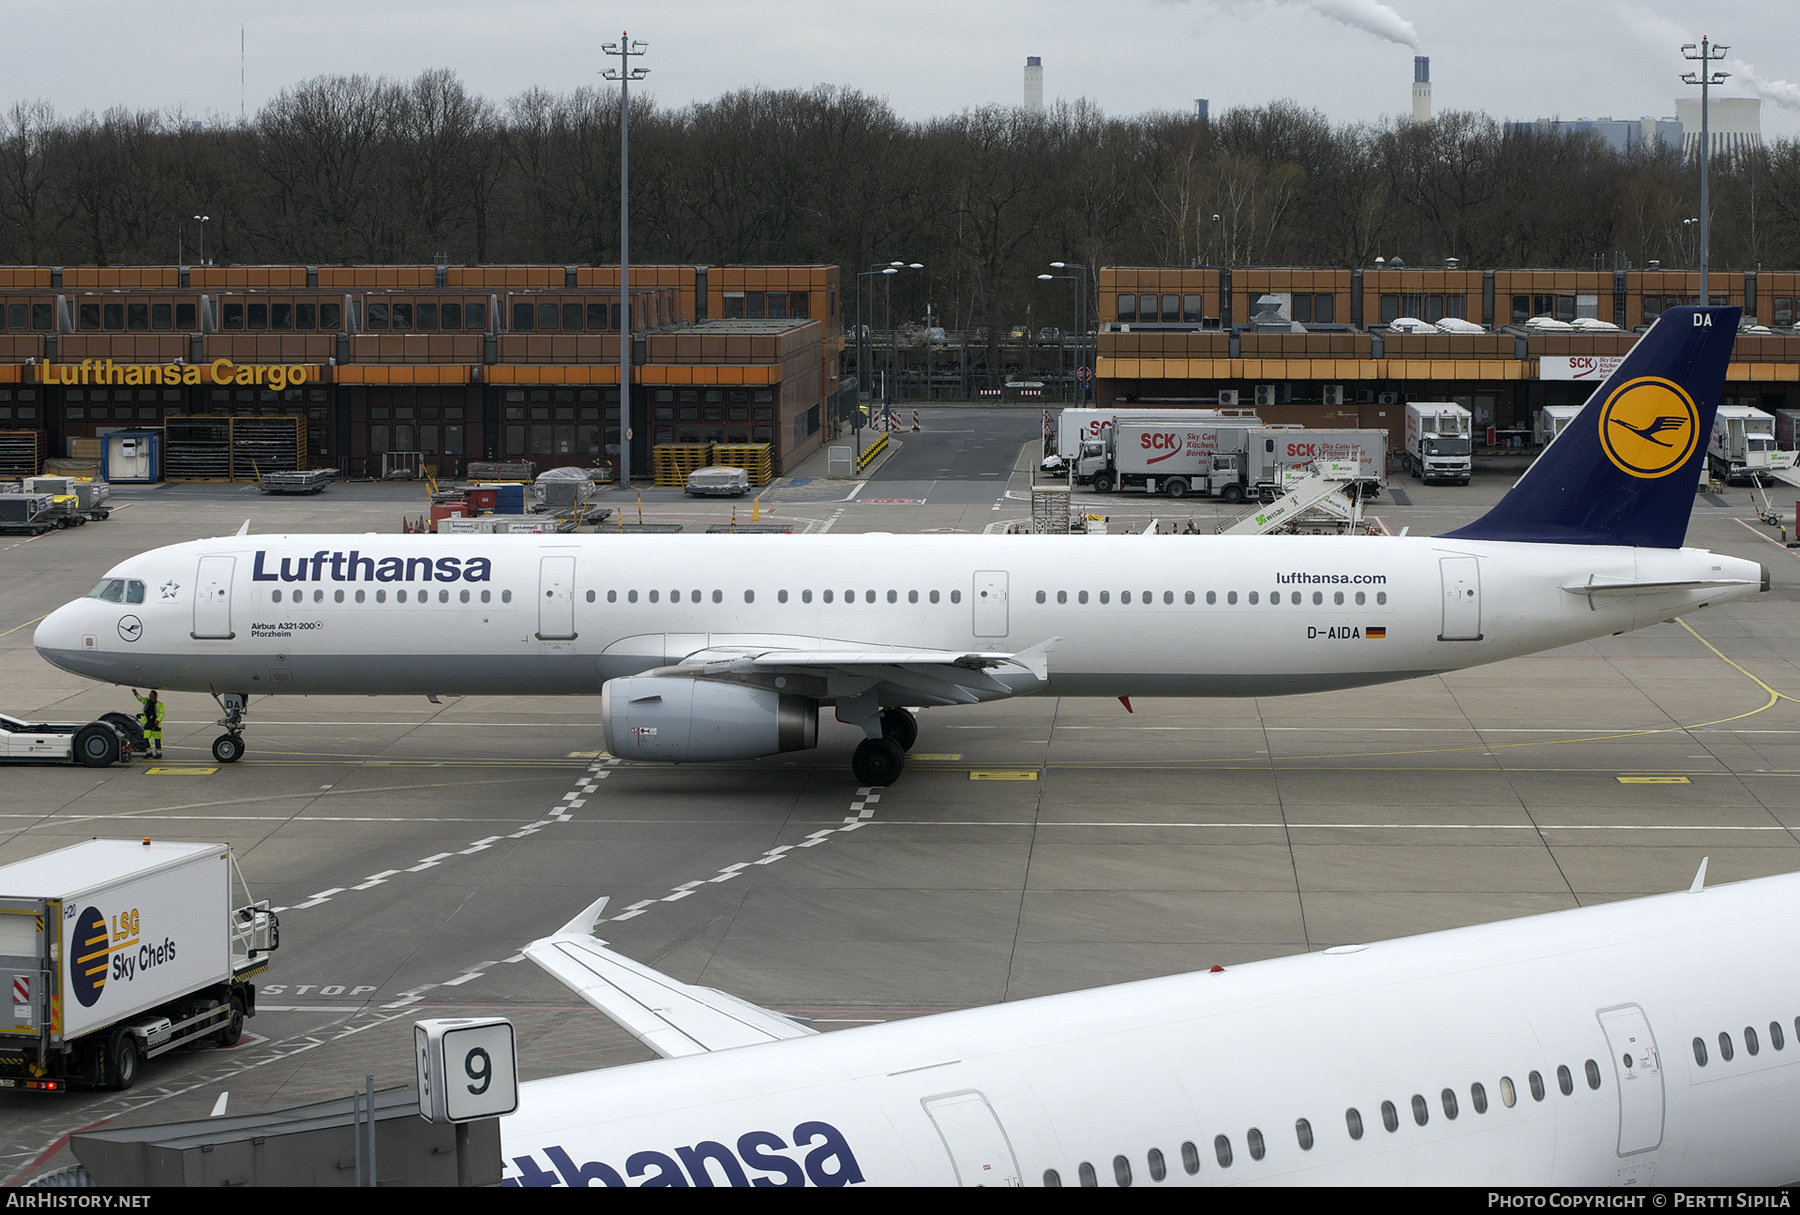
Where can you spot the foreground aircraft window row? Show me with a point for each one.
(1149, 598)
(1752, 1043)
(1420, 1106)
(381, 596)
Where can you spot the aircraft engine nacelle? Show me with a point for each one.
(674, 720)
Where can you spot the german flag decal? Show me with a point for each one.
(1375, 632)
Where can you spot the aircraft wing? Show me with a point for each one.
(670, 1017)
(897, 675)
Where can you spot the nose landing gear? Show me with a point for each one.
(228, 747)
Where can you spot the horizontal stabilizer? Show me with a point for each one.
(670, 1017)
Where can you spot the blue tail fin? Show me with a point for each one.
(1625, 469)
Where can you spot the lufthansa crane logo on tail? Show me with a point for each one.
(1649, 427)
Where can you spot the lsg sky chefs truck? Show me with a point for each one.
(116, 951)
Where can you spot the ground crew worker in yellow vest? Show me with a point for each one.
(152, 717)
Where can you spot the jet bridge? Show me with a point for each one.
(1319, 497)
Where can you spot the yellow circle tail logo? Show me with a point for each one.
(1649, 427)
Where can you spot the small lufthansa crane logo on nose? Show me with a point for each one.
(1649, 427)
(130, 628)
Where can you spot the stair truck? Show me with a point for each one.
(117, 951)
(1439, 438)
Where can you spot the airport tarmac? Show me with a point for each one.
(1030, 847)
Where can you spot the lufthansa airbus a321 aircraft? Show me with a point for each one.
(727, 647)
(1647, 1042)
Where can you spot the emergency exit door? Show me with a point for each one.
(988, 598)
(212, 598)
(1462, 599)
(556, 599)
(1638, 1067)
(973, 1136)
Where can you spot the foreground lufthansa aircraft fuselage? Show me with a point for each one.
(1653, 1041)
(726, 647)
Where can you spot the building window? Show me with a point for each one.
(524, 318)
(1127, 309)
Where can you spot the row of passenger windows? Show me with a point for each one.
(400, 596)
(1752, 1044)
(780, 596)
(1258, 1146)
(1212, 597)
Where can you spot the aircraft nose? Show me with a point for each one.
(58, 636)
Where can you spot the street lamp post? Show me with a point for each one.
(204, 219)
(626, 50)
(1081, 322)
(1706, 53)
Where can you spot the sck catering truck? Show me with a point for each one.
(1439, 435)
(1743, 441)
(1173, 458)
(1277, 449)
(116, 951)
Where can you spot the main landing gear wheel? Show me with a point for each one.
(877, 762)
(228, 748)
(901, 726)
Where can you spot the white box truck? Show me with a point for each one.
(1274, 451)
(1743, 440)
(1167, 457)
(1551, 420)
(116, 951)
(1439, 441)
(1077, 426)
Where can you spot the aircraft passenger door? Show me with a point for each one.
(989, 603)
(1638, 1067)
(1462, 599)
(212, 598)
(556, 599)
(973, 1136)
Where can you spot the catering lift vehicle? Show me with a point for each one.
(1743, 443)
(1173, 458)
(1439, 438)
(117, 951)
(1276, 454)
(728, 647)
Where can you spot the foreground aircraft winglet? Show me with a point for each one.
(670, 1017)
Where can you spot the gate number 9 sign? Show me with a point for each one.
(467, 1067)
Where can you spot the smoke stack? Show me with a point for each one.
(1034, 84)
(1421, 88)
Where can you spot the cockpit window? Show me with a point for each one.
(118, 590)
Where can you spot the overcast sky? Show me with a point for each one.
(1523, 59)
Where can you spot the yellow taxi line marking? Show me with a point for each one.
(179, 771)
(1654, 780)
(995, 774)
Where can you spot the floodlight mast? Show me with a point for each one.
(626, 50)
(1705, 53)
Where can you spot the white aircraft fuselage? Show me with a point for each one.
(1653, 1041)
(1162, 616)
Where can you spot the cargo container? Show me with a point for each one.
(1439, 437)
(1743, 440)
(117, 951)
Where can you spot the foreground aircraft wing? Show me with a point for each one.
(920, 677)
(670, 1017)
